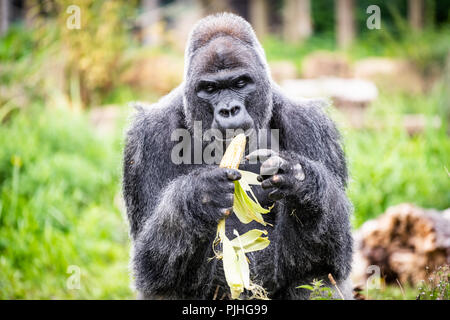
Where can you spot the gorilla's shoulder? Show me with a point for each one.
(303, 116)
(160, 118)
(306, 128)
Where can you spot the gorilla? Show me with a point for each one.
(174, 208)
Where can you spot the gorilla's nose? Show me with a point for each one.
(233, 116)
(230, 111)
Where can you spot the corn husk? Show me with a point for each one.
(231, 265)
(235, 263)
(251, 241)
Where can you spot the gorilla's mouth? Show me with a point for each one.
(247, 133)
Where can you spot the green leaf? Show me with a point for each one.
(306, 286)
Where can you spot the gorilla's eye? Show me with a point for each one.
(240, 83)
(210, 88)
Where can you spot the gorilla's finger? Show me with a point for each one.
(266, 184)
(220, 201)
(277, 180)
(273, 181)
(226, 211)
(272, 166)
(225, 188)
(233, 175)
(229, 198)
(261, 155)
(275, 195)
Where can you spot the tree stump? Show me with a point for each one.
(403, 242)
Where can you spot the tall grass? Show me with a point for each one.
(59, 191)
(388, 166)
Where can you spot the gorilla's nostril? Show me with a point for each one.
(235, 110)
(224, 113)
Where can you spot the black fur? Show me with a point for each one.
(173, 210)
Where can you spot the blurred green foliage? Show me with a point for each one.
(427, 50)
(94, 51)
(324, 17)
(388, 166)
(59, 194)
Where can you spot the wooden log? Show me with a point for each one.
(403, 242)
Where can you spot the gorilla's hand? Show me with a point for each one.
(281, 174)
(212, 193)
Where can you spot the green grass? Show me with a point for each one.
(59, 190)
(276, 49)
(391, 292)
(388, 167)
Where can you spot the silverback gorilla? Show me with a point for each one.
(173, 209)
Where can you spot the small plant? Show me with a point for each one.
(318, 291)
(436, 286)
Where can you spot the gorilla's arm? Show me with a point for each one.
(315, 220)
(172, 248)
(173, 214)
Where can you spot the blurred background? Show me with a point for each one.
(68, 70)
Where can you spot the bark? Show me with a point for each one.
(345, 22)
(404, 241)
(297, 20)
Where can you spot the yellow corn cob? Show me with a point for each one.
(234, 153)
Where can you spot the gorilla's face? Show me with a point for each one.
(227, 94)
(228, 87)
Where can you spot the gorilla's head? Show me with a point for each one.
(227, 83)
